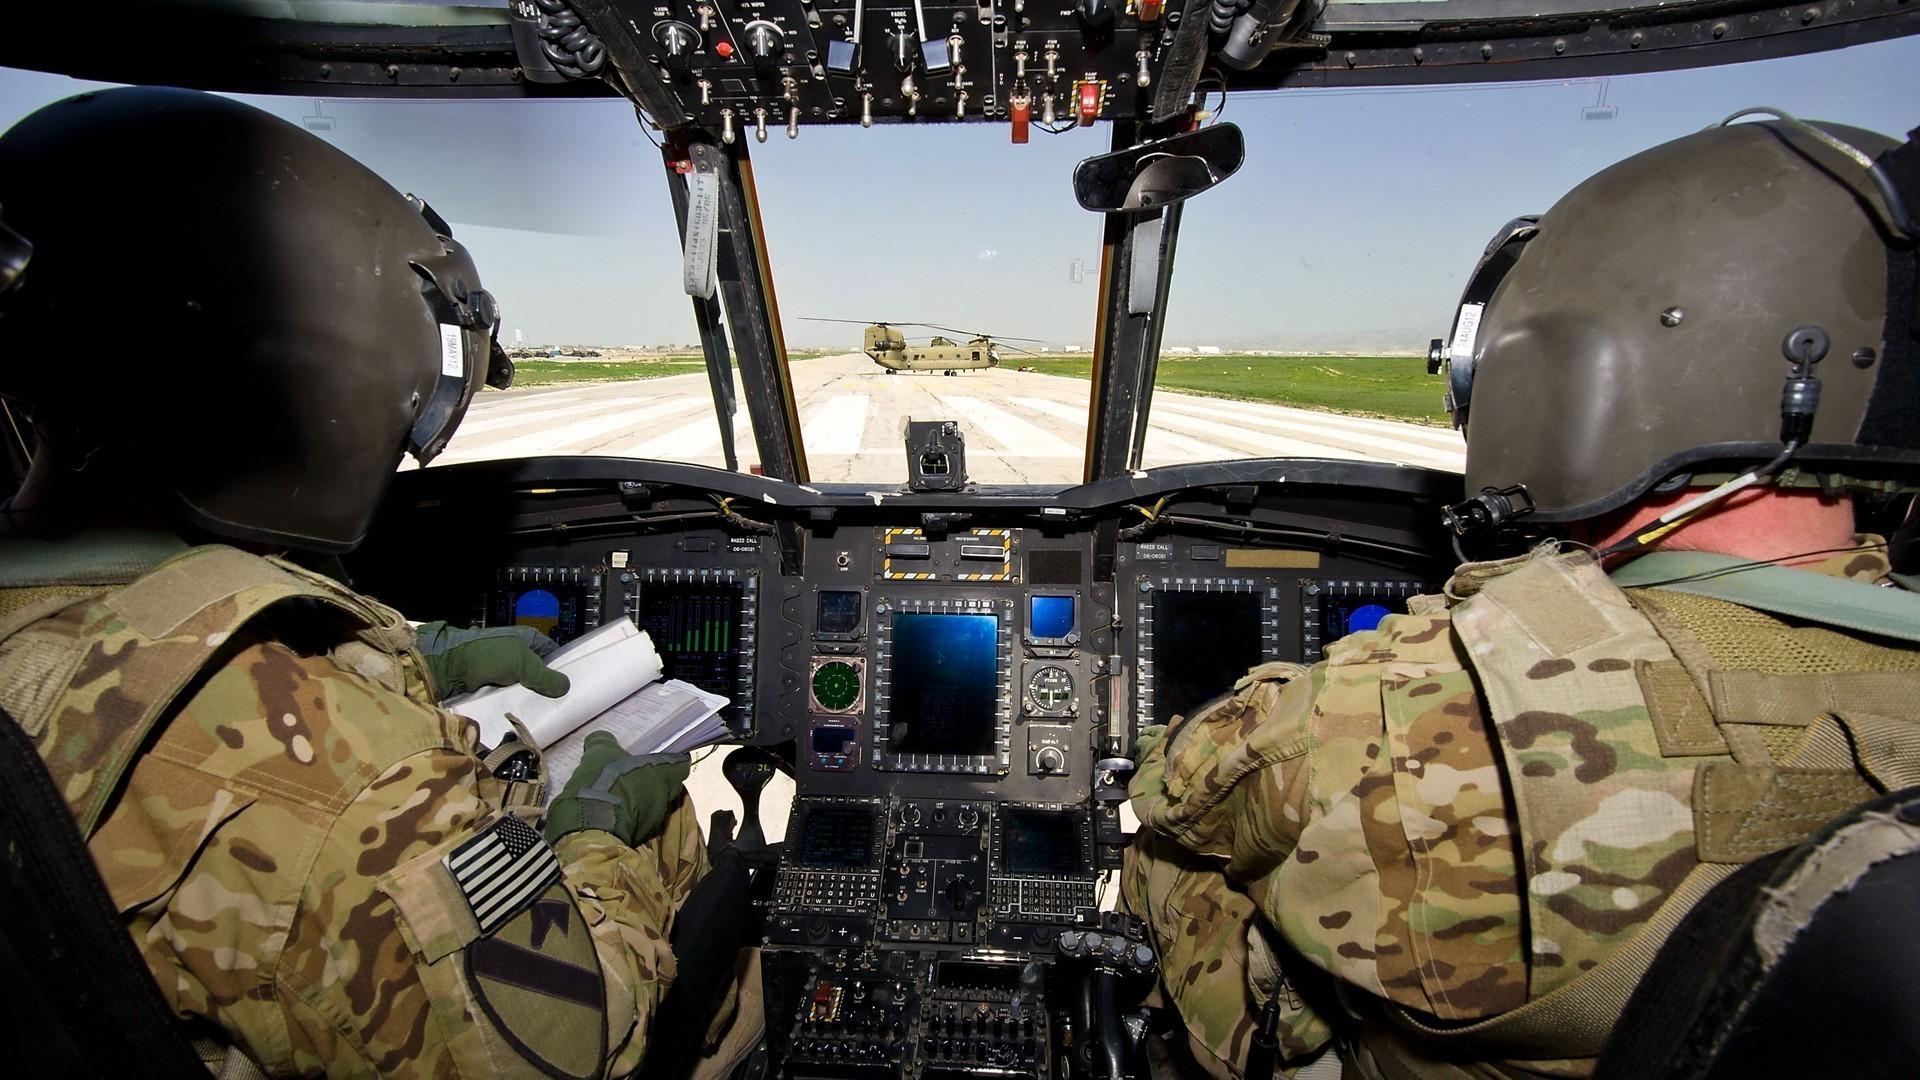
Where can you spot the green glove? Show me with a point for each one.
(1149, 738)
(627, 796)
(463, 659)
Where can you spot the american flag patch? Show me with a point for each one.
(502, 870)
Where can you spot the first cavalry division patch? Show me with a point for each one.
(502, 870)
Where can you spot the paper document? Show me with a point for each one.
(663, 717)
(605, 667)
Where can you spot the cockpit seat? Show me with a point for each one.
(1800, 964)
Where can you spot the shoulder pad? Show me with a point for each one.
(1425, 638)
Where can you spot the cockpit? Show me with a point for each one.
(942, 595)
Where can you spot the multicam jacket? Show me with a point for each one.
(278, 841)
(1466, 810)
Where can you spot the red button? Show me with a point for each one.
(1150, 10)
(1021, 109)
(723, 49)
(1089, 103)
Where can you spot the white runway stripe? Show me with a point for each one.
(501, 419)
(692, 441)
(1432, 437)
(1161, 444)
(1263, 445)
(836, 425)
(1012, 433)
(581, 436)
(1379, 442)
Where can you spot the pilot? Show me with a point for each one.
(1452, 847)
(227, 335)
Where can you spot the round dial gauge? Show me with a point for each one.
(836, 685)
(1050, 691)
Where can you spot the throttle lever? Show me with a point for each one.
(748, 770)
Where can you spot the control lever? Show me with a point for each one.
(748, 769)
(933, 52)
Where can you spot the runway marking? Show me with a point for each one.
(694, 442)
(1376, 443)
(501, 419)
(1016, 436)
(835, 426)
(1160, 443)
(1267, 445)
(578, 436)
(1433, 438)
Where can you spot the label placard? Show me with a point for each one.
(453, 352)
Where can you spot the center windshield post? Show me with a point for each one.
(706, 309)
(745, 286)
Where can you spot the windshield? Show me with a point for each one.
(936, 272)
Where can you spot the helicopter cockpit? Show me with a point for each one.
(949, 673)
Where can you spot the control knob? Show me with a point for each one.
(763, 40)
(909, 814)
(968, 817)
(961, 896)
(677, 42)
(1049, 760)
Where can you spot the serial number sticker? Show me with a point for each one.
(1466, 331)
(453, 352)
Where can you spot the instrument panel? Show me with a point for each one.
(760, 66)
(952, 680)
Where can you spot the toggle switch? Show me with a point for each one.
(1020, 109)
(1088, 106)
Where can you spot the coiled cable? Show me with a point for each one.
(574, 50)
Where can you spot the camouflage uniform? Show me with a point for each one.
(276, 844)
(1469, 808)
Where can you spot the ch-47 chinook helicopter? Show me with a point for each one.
(888, 347)
(935, 678)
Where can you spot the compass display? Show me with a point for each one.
(836, 686)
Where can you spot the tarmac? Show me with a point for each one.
(1020, 427)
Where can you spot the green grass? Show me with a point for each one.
(1397, 387)
(549, 372)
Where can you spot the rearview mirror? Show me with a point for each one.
(1159, 173)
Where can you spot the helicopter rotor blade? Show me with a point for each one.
(976, 333)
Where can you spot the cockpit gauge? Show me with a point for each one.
(1050, 692)
(836, 685)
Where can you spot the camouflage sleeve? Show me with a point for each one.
(628, 897)
(1223, 799)
(1229, 781)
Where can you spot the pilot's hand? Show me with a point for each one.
(625, 795)
(1149, 738)
(463, 659)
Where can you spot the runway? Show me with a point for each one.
(1021, 427)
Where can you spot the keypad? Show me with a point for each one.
(1040, 899)
(801, 890)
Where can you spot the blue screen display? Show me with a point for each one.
(946, 684)
(1366, 617)
(1049, 616)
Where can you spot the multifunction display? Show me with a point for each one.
(941, 701)
(702, 624)
(562, 602)
(1198, 636)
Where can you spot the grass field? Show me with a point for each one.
(549, 372)
(1396, 387)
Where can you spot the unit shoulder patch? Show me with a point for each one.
(538, 979)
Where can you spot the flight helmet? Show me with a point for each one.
(224, 309)
(1647, 330)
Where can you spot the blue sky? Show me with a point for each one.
(1352, 225)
